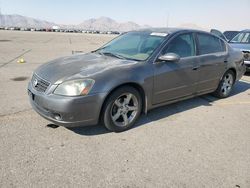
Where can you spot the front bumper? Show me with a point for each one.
(67, 111)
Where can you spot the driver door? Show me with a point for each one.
(173, 80)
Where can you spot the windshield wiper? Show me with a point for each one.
(115, 55)
(99, 49)
(112, 54)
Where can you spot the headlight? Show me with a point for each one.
(74, 87)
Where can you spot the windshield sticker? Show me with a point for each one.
(159, 34)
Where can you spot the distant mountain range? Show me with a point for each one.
(23, 21)
(100, 24)
(108, 24)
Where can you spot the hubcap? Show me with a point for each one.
(124, 109)
(227, 84)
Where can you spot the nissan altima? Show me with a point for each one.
(132, 74)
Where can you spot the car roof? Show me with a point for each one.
(246, 30)
(168, 30)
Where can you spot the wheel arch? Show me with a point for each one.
(136, 86)
(230, 69)
(217, 92)
(234, 71)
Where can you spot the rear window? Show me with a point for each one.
(209, 44)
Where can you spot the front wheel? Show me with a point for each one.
(226, 84)
(122, 109)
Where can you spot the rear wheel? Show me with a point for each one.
(226, 84)
(122, 109)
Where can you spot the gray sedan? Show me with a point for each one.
(132, 74)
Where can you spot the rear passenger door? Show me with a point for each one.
(212, 54)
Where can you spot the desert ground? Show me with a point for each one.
(201, 142)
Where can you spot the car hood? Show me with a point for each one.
(240, 46)
(79, 66)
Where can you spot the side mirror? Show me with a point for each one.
(171, 57)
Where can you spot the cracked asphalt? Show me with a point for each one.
(201, 142)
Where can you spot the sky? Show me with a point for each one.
(220, 14)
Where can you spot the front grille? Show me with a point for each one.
(246, 55)
(39, 84)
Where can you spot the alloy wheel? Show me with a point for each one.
(227, 84)
(124, 109)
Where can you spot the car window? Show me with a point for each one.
(150, 44)
(209, 44)
(243, 37)
(134, 45)
(183, 45)
(127, 42)
(246, 38)
(230, 34)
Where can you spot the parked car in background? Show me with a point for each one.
(134, 73)
(230, 34)
(227, 35)
(240, 42)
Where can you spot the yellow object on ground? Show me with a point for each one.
(21, 60)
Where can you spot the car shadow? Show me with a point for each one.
(240, 87)
(165, 111)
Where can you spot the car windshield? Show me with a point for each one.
(243, 37)
(133, 45)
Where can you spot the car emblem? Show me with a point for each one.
(35, 83)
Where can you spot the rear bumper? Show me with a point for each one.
(67, 111)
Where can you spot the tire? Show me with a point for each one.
(122, 109)
(226, 85)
